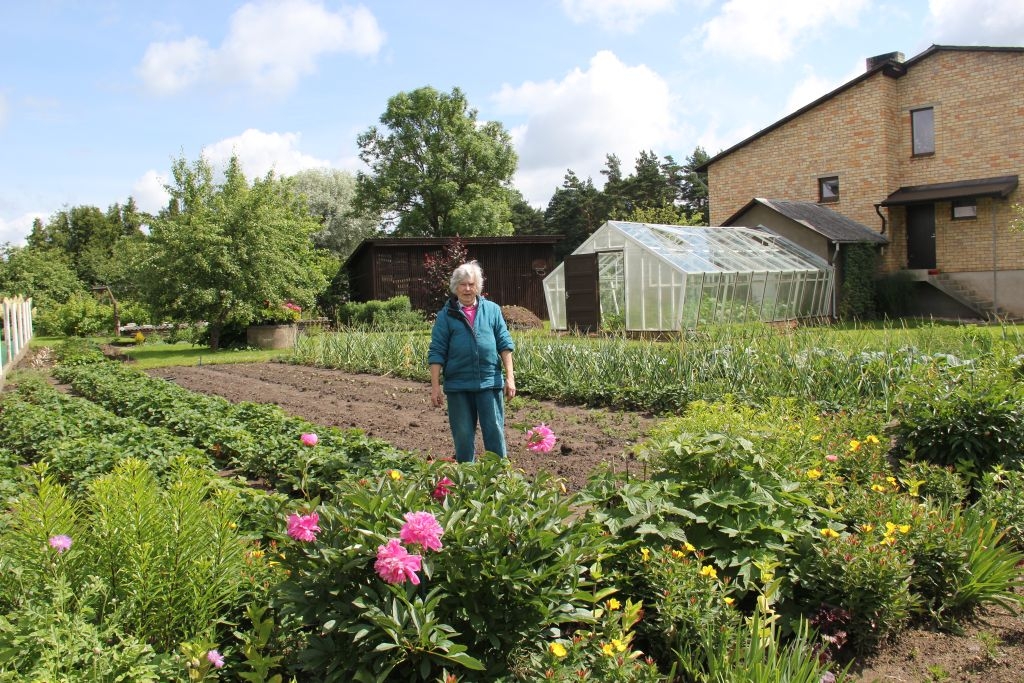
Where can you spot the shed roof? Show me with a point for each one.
(828, 223)
(400, 242)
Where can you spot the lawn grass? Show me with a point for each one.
(159, 354)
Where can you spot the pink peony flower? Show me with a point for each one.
(309, 439)
(540, 439)
(303, 527)
(60, 543)
(215, 658)
(831, 458)
(394, 563)
(443, 488)
(421, 528)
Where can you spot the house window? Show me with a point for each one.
(922, 130)
(828, 189)
(964, 209)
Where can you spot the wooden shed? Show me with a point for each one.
(514, 268)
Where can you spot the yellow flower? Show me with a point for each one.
(854, 445)
(890, 528)
(878, 488)
(816, 437)
(688, 547)
(891, 480)
(678, 554)
(256, 553)
(645, 554)
(619, 645)
(607, 650)
(889, 540)
(232, 525)
(871, 438)
(729, 601)
(829, 533)
(904, 528)
(394, 474)
(813, 474)
(867, 528)
(614, 604)
(557, 649)
(708, 571)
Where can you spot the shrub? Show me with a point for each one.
(81, 316)
(972, 426)
(513, 567)
(857, 298)
(1001, 498)
(393, 314)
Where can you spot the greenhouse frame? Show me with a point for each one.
(658, 278)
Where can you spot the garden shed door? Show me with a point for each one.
(582, 303)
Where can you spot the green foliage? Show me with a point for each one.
(973, 425)
(857, 298)
(513, 566)
(894, 294)
(1001, 498)
(45, 275)
(393, 314)
(80, 316)
(228, 248)
(435, 170)
(330, 194)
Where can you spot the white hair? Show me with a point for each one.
(468, 271)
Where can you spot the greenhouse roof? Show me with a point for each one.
(723, 250)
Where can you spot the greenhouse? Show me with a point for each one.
(644, 277)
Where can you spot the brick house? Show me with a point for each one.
(926, 152)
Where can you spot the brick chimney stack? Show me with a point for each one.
(878, 60)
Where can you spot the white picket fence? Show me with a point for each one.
(17, 332)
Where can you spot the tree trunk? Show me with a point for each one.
(215, 328)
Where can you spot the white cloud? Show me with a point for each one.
(769, 30)
(615, 15)
(260, 152)
(17, 230)
(977, 22)
(812, 86)
(149, 193)
(610, 108)
(269, 46)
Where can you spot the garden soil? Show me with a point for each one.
(989, 649)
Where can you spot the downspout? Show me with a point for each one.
(884, 224)
(835, 285)
(995, 272)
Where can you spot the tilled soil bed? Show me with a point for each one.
(989, 650)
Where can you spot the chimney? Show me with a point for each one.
(888, 57)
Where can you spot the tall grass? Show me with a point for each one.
(831, 366)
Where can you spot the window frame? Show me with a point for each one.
(913, 132)
(963, 203)
(826, 181)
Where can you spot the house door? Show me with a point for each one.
(921, 236)
(582, 303)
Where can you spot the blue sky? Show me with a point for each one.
(98, 97)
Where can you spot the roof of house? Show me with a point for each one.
(821, 219)
(890, 67)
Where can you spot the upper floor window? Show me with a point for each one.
(922, 129)
(964, 208)
(828, 189)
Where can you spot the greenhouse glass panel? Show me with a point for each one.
(668, 277)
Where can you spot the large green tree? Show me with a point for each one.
(225, 249)
(576, 210)
(44, 274)
(435, 170)
(330, 195)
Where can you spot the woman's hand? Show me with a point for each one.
(510, 386)
(436, 396)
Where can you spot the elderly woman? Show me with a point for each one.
(470, 346)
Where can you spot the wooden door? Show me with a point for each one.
(582, 302)
(921, 237)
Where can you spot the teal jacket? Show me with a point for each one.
(470, 356)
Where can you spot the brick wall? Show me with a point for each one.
(863, 136)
